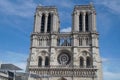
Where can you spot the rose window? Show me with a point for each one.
(64, 58)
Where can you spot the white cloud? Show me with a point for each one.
(18, 59)
(65, 16)
(68, 29)
(111, 75)
(113, 5)
(62, 4)
(66, 4)
(105, 59)
(22, 65)
(23, 8)
(104, 21)
(111, 69)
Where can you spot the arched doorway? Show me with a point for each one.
(62, 78)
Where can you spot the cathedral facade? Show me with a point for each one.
(56, 55)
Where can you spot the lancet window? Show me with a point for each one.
(87, 41)
(81, 62)
(86, 22)
(49, 23)
(80, 22)
(40, 42)
(80, 41)
(39, 61)
(47, 42)
(46, 61)
(44, 41)
(43, 23)
(64, 41)
(88, 62)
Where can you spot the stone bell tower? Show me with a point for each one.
(56, 55)
(85, 40)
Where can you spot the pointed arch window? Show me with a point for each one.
(47, 61)
(80, 22)
(49, 23)
(86, 22)
(40, 61)
(87, 41)
(43, 23)
(48, 42)
(88, 62)
(80, 41)
(81, 62)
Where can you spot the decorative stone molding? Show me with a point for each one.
(69, 52)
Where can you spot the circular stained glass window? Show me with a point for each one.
(64, 58)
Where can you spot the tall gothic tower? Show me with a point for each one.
(65, 56)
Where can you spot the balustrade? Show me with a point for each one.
(66, 72)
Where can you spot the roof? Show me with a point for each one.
(9, 67)
(33, 75)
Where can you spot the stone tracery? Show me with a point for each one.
(65, 54)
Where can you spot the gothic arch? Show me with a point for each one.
(86, 53)
(44, 53)
(62, 78)
(64, 50)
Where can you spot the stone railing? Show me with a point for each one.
(65, 71)
(62, 67)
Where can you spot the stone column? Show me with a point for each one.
(93, 21)
(76, 21)
(54, 22)
(43, 62)
(40, 23)
(34, 41)
(56, 28)
(83, 41)
(90, 21)
(97, 45)
(44, 40)
(46, 21)
(93, 40)
(85, 63)
(75, 40)
(53, 40)
(51, 21)
(83, 20)
(37, 23)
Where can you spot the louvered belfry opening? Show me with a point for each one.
(80, 22)
(49, 23)
(43, 23)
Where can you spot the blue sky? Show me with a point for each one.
(16, 24)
